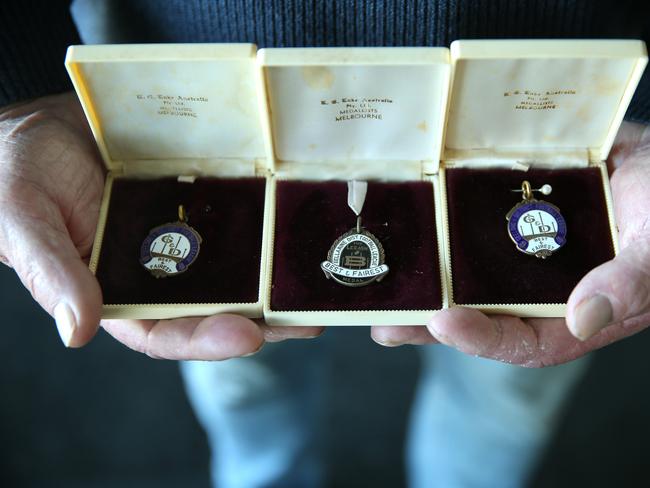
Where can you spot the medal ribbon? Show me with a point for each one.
(357, 195)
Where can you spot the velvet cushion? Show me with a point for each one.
(310, 216)
(486, 266)
(227, 213)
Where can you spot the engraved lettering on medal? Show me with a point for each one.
(355, 108)
(174, 105)
(170, 246)
(537, 228)
(356, 259)
(170, 249)
(538, 99)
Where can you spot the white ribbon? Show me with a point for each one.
(357, 195)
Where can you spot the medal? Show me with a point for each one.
(535, 226)
(357, 257)
(171, 248)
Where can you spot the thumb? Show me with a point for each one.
(49, 265)
(613, 292)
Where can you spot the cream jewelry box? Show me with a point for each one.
(258, 148)
(546, 112)
(178, 126)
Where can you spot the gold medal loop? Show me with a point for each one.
(526, 190)
(182, 215)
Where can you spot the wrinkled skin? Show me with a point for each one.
(51, 183)
(621, 285)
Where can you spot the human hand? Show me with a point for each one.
(51, 184)
(610, 303)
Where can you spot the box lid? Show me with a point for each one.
(356, 104)
(178, 103)
(555, 95)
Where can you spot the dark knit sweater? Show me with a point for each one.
(34, 34)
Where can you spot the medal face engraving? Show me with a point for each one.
(536, 227)
(170, 249)
(355, 259)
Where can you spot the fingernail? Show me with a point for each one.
(66, 322)
(316, 336)
(387, 341)
(442, 338)
(255, 351)
(436, 333)
(590, 316)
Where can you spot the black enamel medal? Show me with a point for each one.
(357, 257)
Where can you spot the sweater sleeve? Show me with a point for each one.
(34, 36)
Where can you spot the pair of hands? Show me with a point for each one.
(51, 183)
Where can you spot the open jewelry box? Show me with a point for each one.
(542, 111)
(178, 125)
(341, 114)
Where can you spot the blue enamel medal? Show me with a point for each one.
(535, 226)
(170, 249)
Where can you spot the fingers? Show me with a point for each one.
(211, 338)
(502, 338)
(613, 292)
(274, 333)
(199, 338)
(529, 343)
(49, 265)
(392, 336)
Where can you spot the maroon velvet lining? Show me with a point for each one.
(229, 215)
(312, 215)
(486, 266)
